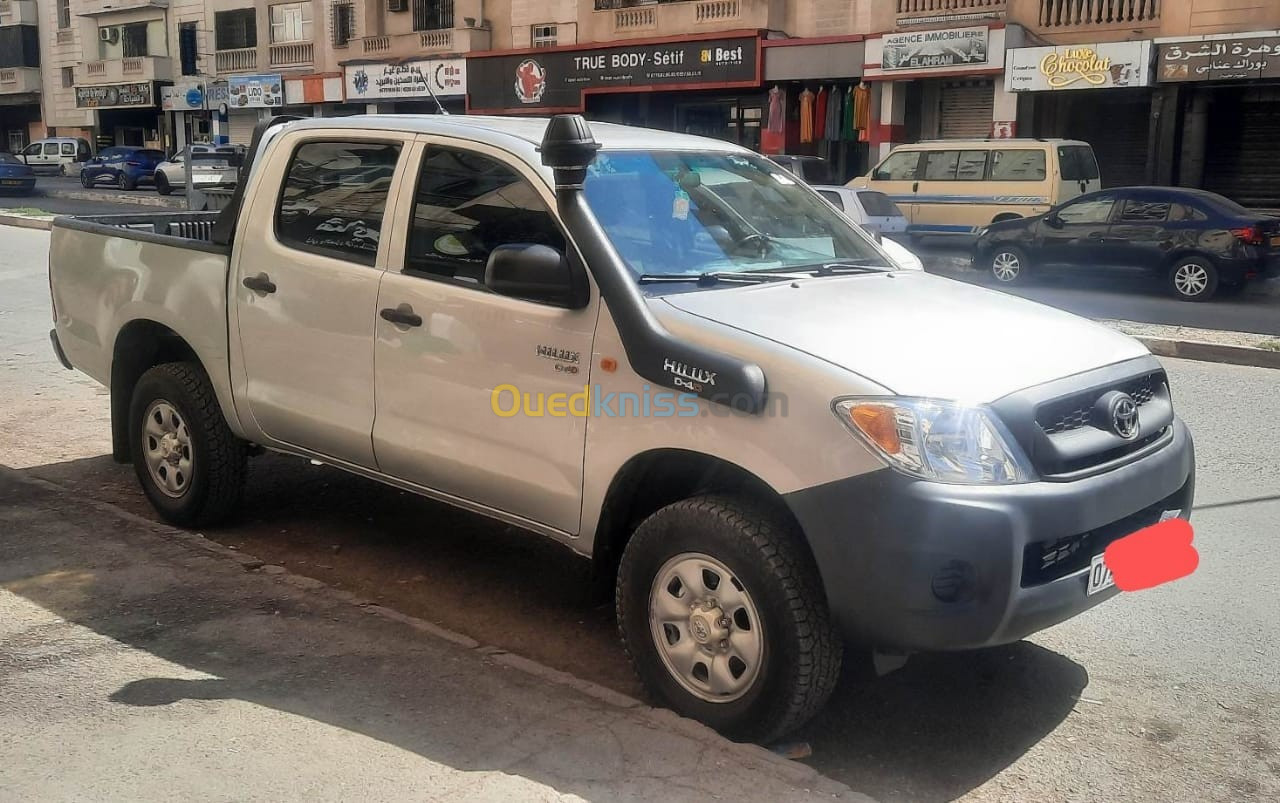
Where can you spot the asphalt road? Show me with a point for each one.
(1170, 694)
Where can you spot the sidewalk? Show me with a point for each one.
(141, 662)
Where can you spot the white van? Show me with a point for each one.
(60, 155)
(958, 186)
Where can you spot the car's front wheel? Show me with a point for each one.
(1193, 279)
(162, 184)
(1009, 264)
(721, 609)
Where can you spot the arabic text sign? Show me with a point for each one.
(255, 91)
(414, 79)
(1101, 66)
(918, 50)
(114, 96)
(182, 96)
(1219, 59)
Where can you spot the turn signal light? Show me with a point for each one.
(879, 423)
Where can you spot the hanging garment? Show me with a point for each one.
(847, 131)
(820, 114)
(862, 107)
(806, 116)
(834, 114)
(777, 100)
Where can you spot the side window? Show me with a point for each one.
(1017, 165)
(899, 166)
(1136, 211)
(972, 166)
(1077, 163)
(334, 198)
(31, 150)
(1184, 212)
(940, 165)
(51, 149)
(68, 149)
(82, 151)
(1091, 210)
(465, 206)
(833, 197)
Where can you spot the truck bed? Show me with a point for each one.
(181, 229)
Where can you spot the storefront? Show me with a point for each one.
(407, 87)
(707, 85)
(939, 84)
(1228, 93)
(317, 95)
(1098, 93)
(817, 102)
(251, 98)
(125, 114)
(185, 101)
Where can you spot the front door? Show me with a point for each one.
(1075, 236)
(898, 177)
(306, 290)
(476, 393)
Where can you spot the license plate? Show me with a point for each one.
(11, 183)
(1100, 578)
(207, 178)
(1275, 241)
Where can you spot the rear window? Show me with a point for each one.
(833, 197)
(1229, 206)
(1077, 163)
(1144, 211)
(1023, 164)
(150, 154)
(878, 204)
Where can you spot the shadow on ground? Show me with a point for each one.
(933, 730)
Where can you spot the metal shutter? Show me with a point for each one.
(965, 110)
(1242, 160)
(241, 125)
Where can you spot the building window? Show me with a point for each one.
(235, 30)
(68, 77)
(291, 22)
(188, 48)
(64, 13)
(343, 24)
(544, 36)
(133, 40)
(432, 15)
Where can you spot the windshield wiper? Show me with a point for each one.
(713, 277)
(837, 268)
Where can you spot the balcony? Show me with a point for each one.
(118, 71)
(1069, 21)
(19, 80)
(291, 54)
(922, 12)
(425, 43)
(18, 12)
(97, 8)
(615, 19)
(243, 59)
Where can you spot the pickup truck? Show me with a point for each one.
(663, 351)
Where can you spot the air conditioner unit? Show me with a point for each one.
(397, 5)
(109, 35)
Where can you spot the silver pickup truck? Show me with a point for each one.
(662, 351)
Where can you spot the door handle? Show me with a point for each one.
(402, 315)
(260, 284)
(915, 187)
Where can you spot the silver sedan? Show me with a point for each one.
(211, 167)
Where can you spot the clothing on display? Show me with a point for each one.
(806, 116)
(777, 120)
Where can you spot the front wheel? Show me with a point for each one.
(1193, 279)
(162, 184)
(1009, 264)
(721, 609)
(190, 464)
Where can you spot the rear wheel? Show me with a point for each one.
(86, 180)
(722, 612)
(1009, 264)
(124, 182)
(1193, 279)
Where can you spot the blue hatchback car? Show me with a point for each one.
(125, 166)
(15, 175)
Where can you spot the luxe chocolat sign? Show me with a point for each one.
(540, 80)
(1231, 59)
(1100, 66)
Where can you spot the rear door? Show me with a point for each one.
(1140, 239)
(1077, 172)
(1078, 239)
(309, 261)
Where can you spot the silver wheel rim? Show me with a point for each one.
(1191, 279)
(167, 449)
(1006, 266)
(706, 628)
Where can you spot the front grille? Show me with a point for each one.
(1075, 412)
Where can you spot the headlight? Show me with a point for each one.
(982, 232)
(937, 440)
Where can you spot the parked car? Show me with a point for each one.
(57, 155)
(879, 216)
(954, 187)
(125, 166)
(810, 169)
(212, 166)
(15, 175)
(849, 459)
(1198, 242)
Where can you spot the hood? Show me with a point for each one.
(916, 334)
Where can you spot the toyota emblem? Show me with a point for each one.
(1124, 416)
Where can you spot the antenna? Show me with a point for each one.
(439, 105)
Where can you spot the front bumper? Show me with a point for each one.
(916, 565)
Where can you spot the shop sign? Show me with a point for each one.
(183, 96)
(115, 96)
(919, 50)
(1101, 66)
(1231, 59)
(255, 91)
(557, 79)
(413, 79)
(216, 93)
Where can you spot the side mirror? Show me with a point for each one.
(1052, 220)
(535, 273)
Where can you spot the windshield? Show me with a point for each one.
(680, 213)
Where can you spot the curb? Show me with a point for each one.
(117, 198)
(1210, 352)
(18, 221)
(658, 718)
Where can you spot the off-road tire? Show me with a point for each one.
(217, 483)
(802, 650)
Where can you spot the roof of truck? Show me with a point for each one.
(522, 133)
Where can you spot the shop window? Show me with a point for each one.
(972, 166)
(1017, 165)
(68, 77)
(1144, 211)
(432, 15)
(291, 22)
(334, 199)
(900, 166)
(940, 165)
(64, 13)
(544, 36)
(343, 24)
(235, 30)
(1092, 211)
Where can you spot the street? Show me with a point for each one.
(1169, 694)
